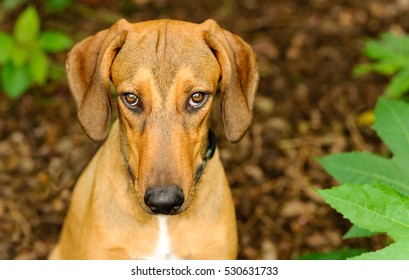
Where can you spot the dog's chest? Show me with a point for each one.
(163, 249)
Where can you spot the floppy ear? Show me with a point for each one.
(239, 78)
(88, 72)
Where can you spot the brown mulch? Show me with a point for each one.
(307, 106)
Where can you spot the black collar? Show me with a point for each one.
(211, 148)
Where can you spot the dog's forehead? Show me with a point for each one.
(165, 47)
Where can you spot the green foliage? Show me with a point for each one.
(51, 6)
(375, 207)
(364, 168)
(391, 58)
(395, 251)
(375, 191)
(27, 27)
(23, 57)
(57, 5)
(378, 208)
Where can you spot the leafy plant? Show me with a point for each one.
(375, 191)
(23, 58)
(391, 58)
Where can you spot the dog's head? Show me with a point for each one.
(166, 74)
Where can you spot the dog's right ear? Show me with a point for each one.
(239, 78)
(88, 72)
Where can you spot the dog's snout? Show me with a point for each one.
(165, 200)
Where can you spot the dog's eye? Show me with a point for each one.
(131, 99)
(197, 100)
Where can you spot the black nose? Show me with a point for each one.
(165, 200)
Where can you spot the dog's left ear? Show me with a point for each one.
(238, 63)
(88, 72)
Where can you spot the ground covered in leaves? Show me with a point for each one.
(307, 106)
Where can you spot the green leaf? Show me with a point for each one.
(384, 68)
(19, 56)
(334, 255)
(377, 207)
(390, 49)
(27, 26)
(15, 80)
(52, 41)
(38, 67)
(392, 126)
(399, 85)
(362, 69)
(395, 251)
(363, 167)
(6, 47)
(57, 5)
(398, 43)
(356, 232)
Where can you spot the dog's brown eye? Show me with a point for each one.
(131, 99)
(197, 100)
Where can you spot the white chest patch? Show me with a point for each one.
(163, 250)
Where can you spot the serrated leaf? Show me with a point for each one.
(366, 168)
(390, 49)
(377, 207)
(399, 43)
(15, 80)
(27, 26)
(377, 50)
(39, 67)
(395, 251)
(388, 46)
(392, 126)
(357, 232)
(6, 47)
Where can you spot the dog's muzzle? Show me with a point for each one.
(165, 200)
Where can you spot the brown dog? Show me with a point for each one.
(153, 190)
